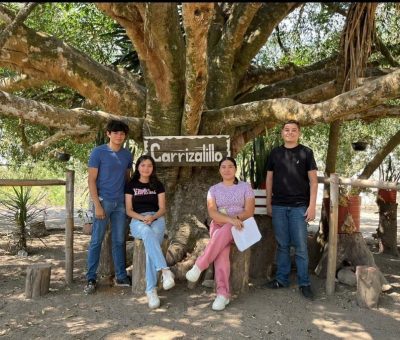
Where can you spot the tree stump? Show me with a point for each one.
(37, 281)
(387, 229)
(351, 249)
(369, 286)
(106, 264)
(263, 252)
(139, 265)
(240, 269)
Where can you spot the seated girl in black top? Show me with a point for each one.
(145, 203)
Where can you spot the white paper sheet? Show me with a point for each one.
(248, 235)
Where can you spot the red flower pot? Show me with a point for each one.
(388, 196)
(353, 207)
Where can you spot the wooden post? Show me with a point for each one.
(333, 234)
(37, 281)
(69, 226)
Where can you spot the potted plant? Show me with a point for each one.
(388, 173)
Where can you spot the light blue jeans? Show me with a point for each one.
(290, 229)
(152, 236)
(115, 212)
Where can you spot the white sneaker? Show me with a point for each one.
(193, 274)
(152, 297)
(168, 279)
(220, 302)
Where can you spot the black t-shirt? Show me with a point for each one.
(290, 182)
(144, 199)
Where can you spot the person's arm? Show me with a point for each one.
(310, 212)
(129, 209)
(220, 217)
(161, 209)
(98, 208)
(269, 192)
(248, 211)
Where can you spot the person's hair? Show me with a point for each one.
(153, 177)
(117, 125)
(232, 160)
(291, 121)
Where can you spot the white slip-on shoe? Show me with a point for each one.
(193, 274)
(168, 279)
(153, 299)
(220, 302)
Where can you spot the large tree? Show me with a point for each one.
(197, 76)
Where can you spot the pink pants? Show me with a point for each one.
(217, 251)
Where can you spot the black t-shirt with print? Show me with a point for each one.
(144, 199)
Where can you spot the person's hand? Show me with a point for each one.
(99, 212)
(310, 214)
(148, 219)
(238, 224)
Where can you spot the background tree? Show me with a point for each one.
(204, 68)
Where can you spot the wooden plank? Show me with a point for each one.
(30, 182)
(333, 234)
(187, 150)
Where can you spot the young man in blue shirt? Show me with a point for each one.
(109, 168)
(292, 185)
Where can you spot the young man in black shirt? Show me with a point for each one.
(291, 198)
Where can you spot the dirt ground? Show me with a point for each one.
(114, 313)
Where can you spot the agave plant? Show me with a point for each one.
(21, 208)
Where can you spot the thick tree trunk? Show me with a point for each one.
(187, 219)
(263, 252)
(387, 229)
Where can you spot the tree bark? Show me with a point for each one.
(387, 229)
(106, 264)
(37, 281)
(263, 252)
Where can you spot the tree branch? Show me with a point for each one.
(385, 51)
(266, 75)
(18, 20)
(20, 82)
(59, 135)
(196, 20)
(79, 120)
(291, 86)
(352, 103)
(158, 41)
(374, 163)
(264, 22)
(238, 22)
(38, 54)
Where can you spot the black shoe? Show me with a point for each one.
(124, 282)
(90, 287)
(307, 292)
(274, 284)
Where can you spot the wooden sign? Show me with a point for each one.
(187, 150)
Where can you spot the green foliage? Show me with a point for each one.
(21, 209)
(253, 159)
(81, 25)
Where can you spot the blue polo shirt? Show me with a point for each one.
(112, 166)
